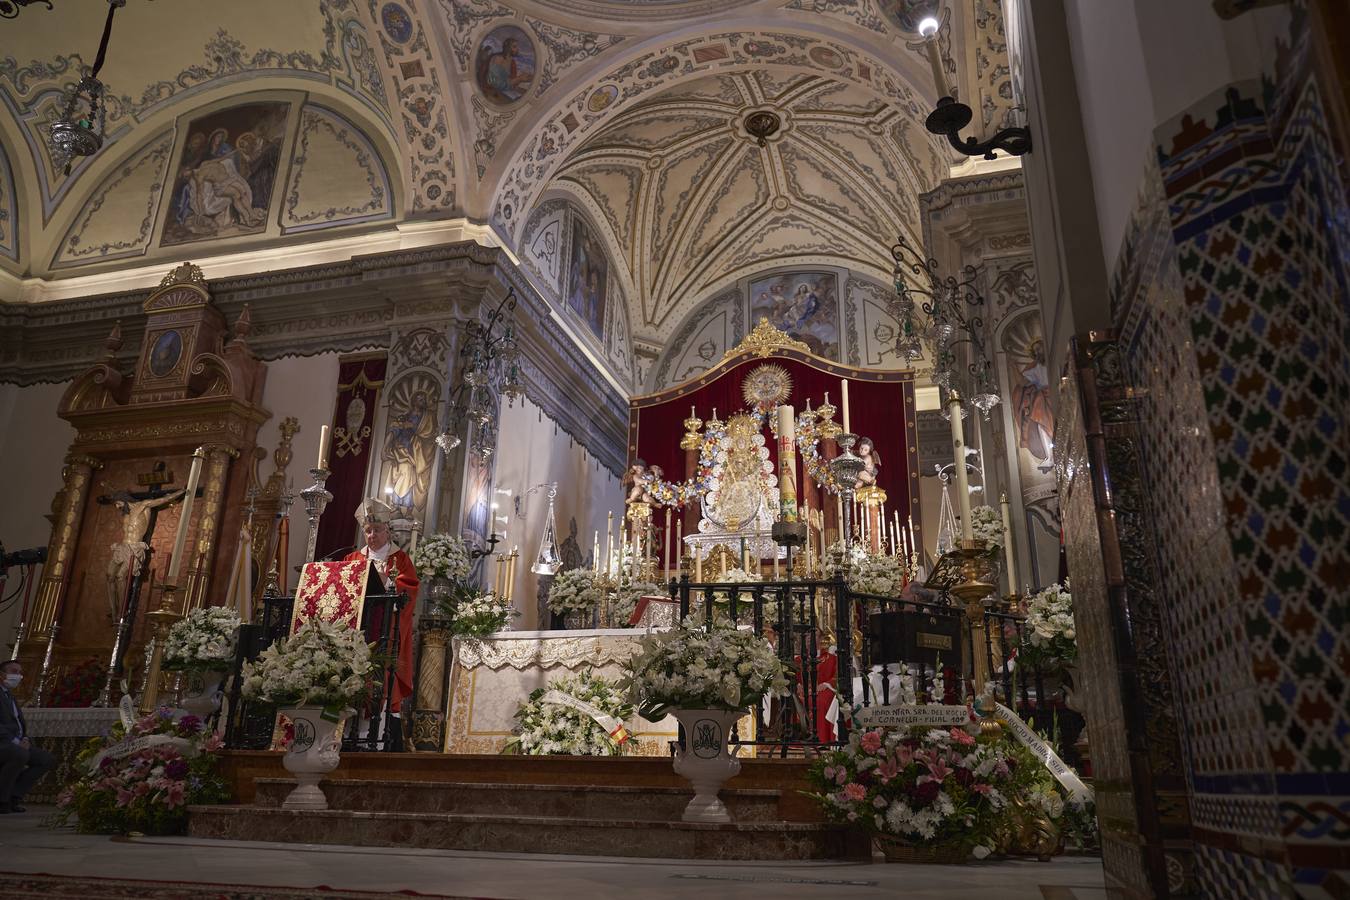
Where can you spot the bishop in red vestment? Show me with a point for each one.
(396, 568)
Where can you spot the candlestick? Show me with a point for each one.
(1008, 545)
(679, 544)
(609, 551)
(316, 497)
(595, 553)
(962, 479)
(647, 550)
(666, 555)
(185, 514)
(698, 565)
(843, 384)
(323, 449)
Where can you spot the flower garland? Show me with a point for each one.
(480, 614)
(693, 667)
(442, 556)
(544, 727)
(575, 590)
(147, 789)
(321, 664)
(204, 639)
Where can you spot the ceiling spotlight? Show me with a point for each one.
(928, 27)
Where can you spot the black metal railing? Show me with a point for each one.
(1039, 696)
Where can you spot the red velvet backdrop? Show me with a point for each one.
(881, 407)
(349, 453)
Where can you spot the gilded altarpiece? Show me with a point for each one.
(194, 385)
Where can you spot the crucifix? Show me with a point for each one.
(131, 558)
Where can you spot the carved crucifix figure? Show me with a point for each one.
(128, 554)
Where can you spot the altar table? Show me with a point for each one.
(64, 732)
(491, 676)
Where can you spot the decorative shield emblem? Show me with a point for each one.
(707, 739)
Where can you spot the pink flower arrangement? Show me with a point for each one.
(927, 787)
(146, 789)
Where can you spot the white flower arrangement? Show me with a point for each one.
(481, 614)
(442, 556)
(1049, 637)
(693, 667)
(623, 600)
(545, 728)
(575, 590)
(321, 664)
(204, 639)
(839, 559)
(986, 524)
(883, 576)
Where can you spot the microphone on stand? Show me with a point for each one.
(329, 558)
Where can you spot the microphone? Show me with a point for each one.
(336, 553)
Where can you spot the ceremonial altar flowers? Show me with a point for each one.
(928, 788)
(204, 639)
(884, 576)
(986, 524)
(481, 613)
(442, 556)
(575, 590)
(693, 666)
(1049, 640)
(321, 664)
(580, 715)
(624, 599)
(144, 777)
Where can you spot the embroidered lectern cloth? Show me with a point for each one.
(332, 591)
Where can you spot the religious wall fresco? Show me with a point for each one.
(587, 276)
(1032, 415)
(505, 64)
(410, 447)
(803, 304)
(225, 174)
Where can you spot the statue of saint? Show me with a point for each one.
(128, 554)
(871, 462)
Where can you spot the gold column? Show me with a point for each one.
(208, 530)
(60, 550)
(428, 722)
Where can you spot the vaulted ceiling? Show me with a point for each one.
(629, 109)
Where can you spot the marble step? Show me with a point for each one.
(661, 804)
(626, 837)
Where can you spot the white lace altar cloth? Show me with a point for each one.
(491, 676)
(53, 722)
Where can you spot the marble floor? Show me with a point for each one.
(28, 846)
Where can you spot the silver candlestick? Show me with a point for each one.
(846, 468)
(317, 498)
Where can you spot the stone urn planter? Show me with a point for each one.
(201, 694)
(706, 761)
(313, 753)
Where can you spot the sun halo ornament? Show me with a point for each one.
(766, 386)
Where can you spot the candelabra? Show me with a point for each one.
(846, 468)
(317, 498)
(161, 620)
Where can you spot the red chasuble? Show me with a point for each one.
(400, 566)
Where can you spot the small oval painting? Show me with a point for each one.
(396, 21)
(505, 64)
(164, 354)
(602, 97)
(826, 57)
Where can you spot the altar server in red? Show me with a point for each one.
(396, 568)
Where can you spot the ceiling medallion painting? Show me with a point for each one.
(802, 305)
(505, 64)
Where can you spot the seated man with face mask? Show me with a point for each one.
(396, 569)
(21, 763)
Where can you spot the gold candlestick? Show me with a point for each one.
(161, 620)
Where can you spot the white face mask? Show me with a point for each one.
(12, 680)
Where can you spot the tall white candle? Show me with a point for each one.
(323, 448)
(679, 545)
(843, 385)
(185, 515)
(962, 479)
(1008, 553)
(595, 553)
(787, 464)
(698, 565)
(609, 551)
(666, 556)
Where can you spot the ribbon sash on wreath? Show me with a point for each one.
(332, 592)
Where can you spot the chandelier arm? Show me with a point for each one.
(107, 33)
